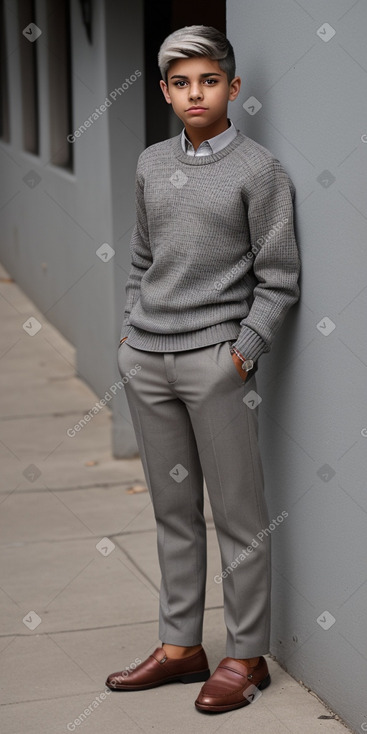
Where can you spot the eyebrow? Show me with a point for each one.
(182, 76)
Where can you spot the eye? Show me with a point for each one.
(179, 83)
(211, 81)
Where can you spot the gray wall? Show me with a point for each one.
(313, 383)
(49, 234)
(124, 35)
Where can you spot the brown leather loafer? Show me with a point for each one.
(233, 685)
(158, 669)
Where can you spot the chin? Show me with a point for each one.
(198, 121)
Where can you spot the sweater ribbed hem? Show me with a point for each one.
(150, 342)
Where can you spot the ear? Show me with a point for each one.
(234, 88)
(164, 89)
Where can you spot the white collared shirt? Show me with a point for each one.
(213, 145)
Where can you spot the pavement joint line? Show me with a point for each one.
(53, 698)
(93, 629)
(56, 414)
(210, 528)
(63, 378)
(98, 485)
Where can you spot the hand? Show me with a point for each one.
(238, 365)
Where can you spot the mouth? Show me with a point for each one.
(197, 109)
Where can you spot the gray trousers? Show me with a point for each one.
(190, 421)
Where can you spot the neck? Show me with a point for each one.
(198, 135)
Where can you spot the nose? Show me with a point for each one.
(195, 92)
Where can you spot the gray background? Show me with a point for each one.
(313, 411)
(50, 233)
(313, 387)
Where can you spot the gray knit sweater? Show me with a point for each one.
(213, 252)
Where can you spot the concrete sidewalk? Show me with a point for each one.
(79, 571)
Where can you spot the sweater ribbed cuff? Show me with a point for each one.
(250, 344)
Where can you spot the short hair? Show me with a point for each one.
(197, 40)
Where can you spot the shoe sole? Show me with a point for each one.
(198, 677)
(221, 709)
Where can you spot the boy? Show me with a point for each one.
(215, 268)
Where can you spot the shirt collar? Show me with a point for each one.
(210, 146)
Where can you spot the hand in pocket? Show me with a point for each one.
(238, 365)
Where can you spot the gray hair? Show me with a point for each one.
(197, 40)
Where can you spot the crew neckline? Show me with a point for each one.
(216, 143)
(206, 159)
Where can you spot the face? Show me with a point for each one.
(199, 91)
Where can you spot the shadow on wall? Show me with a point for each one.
(282, 351)
(275, 379)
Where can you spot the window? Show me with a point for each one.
(60, 90)
(4, 98)
(29, 81)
